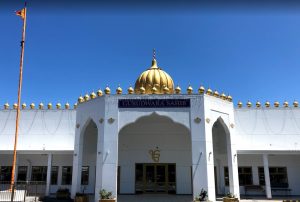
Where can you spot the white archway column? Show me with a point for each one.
(107, 163)
(49, 168)
(202, 151)
(99, 162)
(234, 186)
(77, 162)
(267, 176)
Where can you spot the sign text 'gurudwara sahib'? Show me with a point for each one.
(154, 103)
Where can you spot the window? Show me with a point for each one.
(85, 175)
(39, 173)
(278, 176)
(5, 174)
(54, 175)
(66, 175)
(245, 176)
(226, 176)
(22, 173)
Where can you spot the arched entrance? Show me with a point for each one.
(89, 157)
(154, 157)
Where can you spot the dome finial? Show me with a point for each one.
(154, 54)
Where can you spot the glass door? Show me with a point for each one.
(149, 178)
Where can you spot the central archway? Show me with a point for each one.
(154, 157)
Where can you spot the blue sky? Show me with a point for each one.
(251, 53)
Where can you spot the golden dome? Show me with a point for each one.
(189, 89)
(166, 90)
(267, 104)
(240, 104)
(249, 104)
(201, 89)
(177, 90)
(229, 98)
(258, 105)
(209, 91)
(49, 105)
(142, 90)
(32, 105)
(58, 105)
(216, 94)
(75, 105)
(286, 104)
(24, 105)
(15, 106)
(86, 97)
(99, 92)
(93, 95)
(107, 90)
(154, 77)
(119, 90)
(41, 106)
(67, 105)
(6, 106)
(223, 96)
(276, 104)
(130, 90)
(295, 103)
(80, 99)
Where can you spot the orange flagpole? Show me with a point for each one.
(19, 100)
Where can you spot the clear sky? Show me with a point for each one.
(251, 52)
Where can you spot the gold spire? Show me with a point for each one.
(58, 106)
(258, 105)
(286, 104)
(119, 90)
(6, 105)
(130, 90)
(189, 89)
(276, 104)
(80, 99)
(93, 95)
(75, 105)
(107, 90)
(24, 105)
(177, 90)
(32, 105)
(249, 104)
(86, 97)
(267, 104)
(67, 105)
(49, 105)
(99, 93)
(15, 106)
(240, 104)
(223, 96)
(41, 106)
(166, 90)
(209, 91)
(201, 89)
(295, 103)
(216, 93)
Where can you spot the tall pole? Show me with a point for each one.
(23, 15)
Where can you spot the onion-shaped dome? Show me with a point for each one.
(229, 98)
(201, 89)
(49, 105)
(267, 104)
(6, 106)
(107, 90)
(41, 106)
(258, 104)
(295, 103)
(286, 104)
(130, 90)
(189, 89)
(209, 91)
(99, 93)
(154, 77)
(240, 104)
(80, 99)
(24, 105)
(177, 90)
(75, 105)
(58, 106)
(119, 90)
(142, 90)
(32, 106)
(93, 95)
(249, 104)
(166, 90)
(223, 96)
(15, 106)
(86, 97)
(276, 104)
(67, 105)
(154, 90)
(216, 93)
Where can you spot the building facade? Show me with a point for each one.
(156, 139)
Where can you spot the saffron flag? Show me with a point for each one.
(21, 13)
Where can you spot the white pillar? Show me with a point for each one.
(99, 162)
(234, 186)
(267, 176)
(202, 150)
(49, 168)
(77, 162)
(17, 168)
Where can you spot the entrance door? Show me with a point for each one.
(155, 178)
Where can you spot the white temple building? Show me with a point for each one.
(156, 139)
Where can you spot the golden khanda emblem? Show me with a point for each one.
(155, 154)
